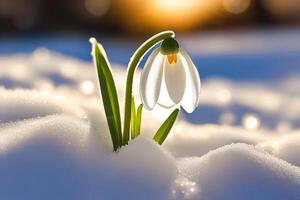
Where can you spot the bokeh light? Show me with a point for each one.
(251, 121)
(227, 118)
(97, 7)
(87, 87)
(236, 6)
(186, 187)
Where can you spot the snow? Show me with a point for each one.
(49, 152)
(240, 171)
(194, 140)
(25, 104)
(241, 143)
(59, 157)
(286, 147)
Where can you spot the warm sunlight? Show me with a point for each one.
(172, 14)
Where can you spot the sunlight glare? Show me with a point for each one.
(251, 121)
(87, 87)
(178, 15)
(187, 188)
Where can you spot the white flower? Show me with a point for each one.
(170, 79)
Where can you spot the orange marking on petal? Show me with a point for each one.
(172, 58)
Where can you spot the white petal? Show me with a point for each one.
(150, 80)
(164, 99)
(190, 98)
(174, 75)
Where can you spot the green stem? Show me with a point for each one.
(133, 64)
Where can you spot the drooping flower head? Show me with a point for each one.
(169, 78)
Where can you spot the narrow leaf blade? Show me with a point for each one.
(133, 119)
(139, 119)
(109, 97)
(166, 127)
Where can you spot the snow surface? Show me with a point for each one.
(240, 171)
(57, 157)
(286, 147)
(54, 142)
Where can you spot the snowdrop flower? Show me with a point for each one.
(169, 78)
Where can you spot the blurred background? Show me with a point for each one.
(232, 42)
(143, 16)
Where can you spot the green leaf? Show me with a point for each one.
(165, 128)
(109, 96)
(138, 119)
(133, 119)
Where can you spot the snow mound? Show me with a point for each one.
(286, 147)
(193, 140)
(55, 144)
(42, 158)
(60, 157)
(68, 131)
(141, 170)
(240, 171)
(20, 104)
